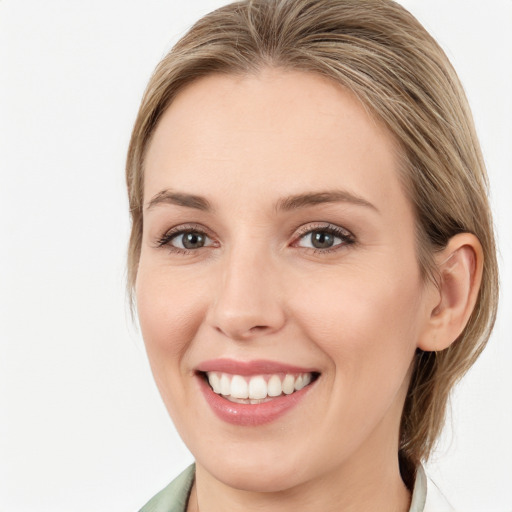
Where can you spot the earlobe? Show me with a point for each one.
(460, 266)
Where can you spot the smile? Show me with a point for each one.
(253, 393)
(258, 388)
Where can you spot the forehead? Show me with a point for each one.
(281, 131)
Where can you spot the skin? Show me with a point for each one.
(258, 289)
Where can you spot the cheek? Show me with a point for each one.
(170, 312)
(367, 325)
(363, 320)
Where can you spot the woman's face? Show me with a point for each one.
(278, 249)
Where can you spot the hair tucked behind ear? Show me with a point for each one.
(380, 52)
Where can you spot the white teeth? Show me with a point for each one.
(215, 382)
(225, 385)
(299, 383)
(288, 384)
(239, 387)
(274, 386)
(257, 388)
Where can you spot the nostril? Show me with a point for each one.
(246, 323)
(258, 328)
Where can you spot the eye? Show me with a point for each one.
(319, 240)
(185, 240)
(189, 240)
(323, 238)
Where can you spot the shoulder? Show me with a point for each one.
(427, 497)
(174, 497)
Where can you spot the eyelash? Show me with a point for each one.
(346, 237)
(166, 239)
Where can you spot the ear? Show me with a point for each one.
(460, 266)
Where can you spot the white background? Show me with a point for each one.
(82, 427)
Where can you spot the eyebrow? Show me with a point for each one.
(294, 202)
(331, 196)
(179, 199)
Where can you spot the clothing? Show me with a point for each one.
(426, 496)
(174, 497)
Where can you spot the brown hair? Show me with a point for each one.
(381, 53)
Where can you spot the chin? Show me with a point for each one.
(256, 476)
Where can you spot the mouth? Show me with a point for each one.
(253, 393)
(257, 389)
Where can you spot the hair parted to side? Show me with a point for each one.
(380, 52)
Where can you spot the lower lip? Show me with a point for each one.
(251, 415)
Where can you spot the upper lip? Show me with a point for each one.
(254, 367)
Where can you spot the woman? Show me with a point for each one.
(312, 254)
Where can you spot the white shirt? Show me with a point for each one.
(426, 496)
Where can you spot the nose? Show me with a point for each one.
(248, 300)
